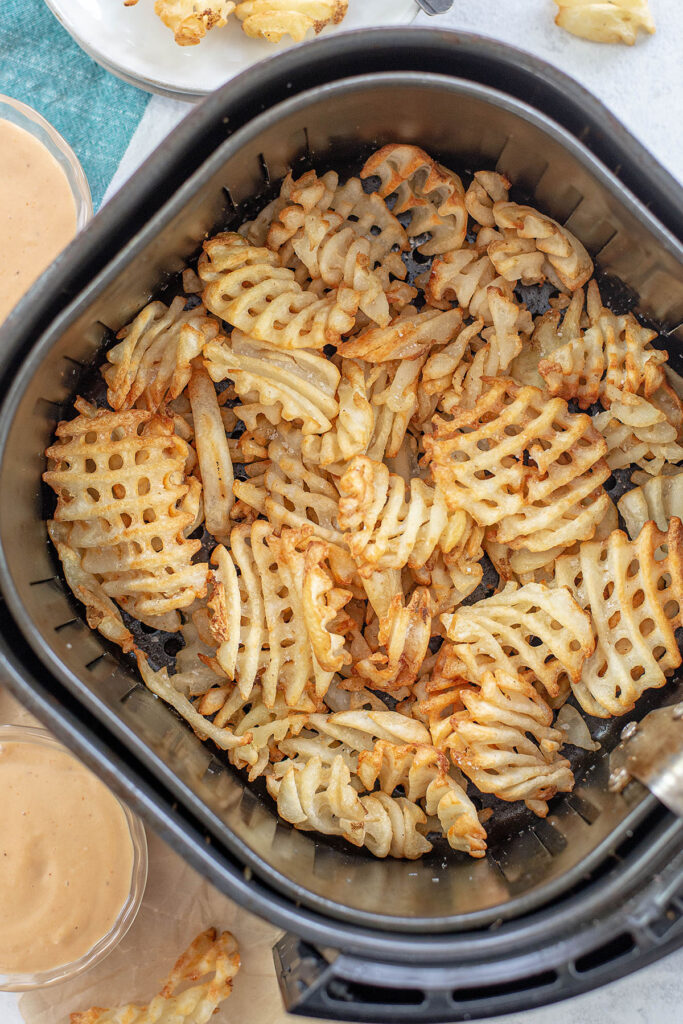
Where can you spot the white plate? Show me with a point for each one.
(134, 44)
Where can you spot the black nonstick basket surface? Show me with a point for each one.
(559, 905)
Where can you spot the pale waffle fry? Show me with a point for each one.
(291, 494)
(605, 21)
(423, 774)
(247, 287)
(382, 528)
(152, 362)
(612, 355)
(213, 454)
(633, 591)
(431, 193)
(297, 386)
(660, 498)
(503, 632)
(119, 478)
(639, 432)
(352, 430)
(505, 743)
(184, 998)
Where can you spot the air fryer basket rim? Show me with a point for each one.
(514, 907)
(466, 952)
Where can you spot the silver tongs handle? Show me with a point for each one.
(432, 7)
(651, 751)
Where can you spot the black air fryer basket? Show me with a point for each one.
(558, 906)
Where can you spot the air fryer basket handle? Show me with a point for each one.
(346, 988)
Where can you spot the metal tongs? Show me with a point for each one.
(435, 6)
(651, 751)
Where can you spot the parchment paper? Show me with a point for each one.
(178, 904)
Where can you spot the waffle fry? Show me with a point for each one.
(487, 188)
(566, 263)
(291, 494)
(273, 19)
(405, 630)
(465, 276)
(213, 454)
(152, 362)
(639, 432)
(660, 498)
(614, 353)
(189, 21)
(248, 288)
(497, 633)
(297, 386)
(353, 427)
(211, 956)
(382, 528)
(432, 194)
(607, 21)
(406, 337)
(423, 774)
(550, 496)
(505, 743)
(275, 615)
(633, 591)
(119, 479)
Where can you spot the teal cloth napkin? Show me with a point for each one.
(40, 64)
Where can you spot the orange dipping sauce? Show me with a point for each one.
(66, 858)
(37, 212)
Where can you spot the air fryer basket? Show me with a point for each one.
(533, 877)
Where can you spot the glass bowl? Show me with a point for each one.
(31, 121)
(23, 982)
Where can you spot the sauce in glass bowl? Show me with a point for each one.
(44, 199)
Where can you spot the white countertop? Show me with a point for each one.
(642, 86)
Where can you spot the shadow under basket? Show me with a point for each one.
(558, 905)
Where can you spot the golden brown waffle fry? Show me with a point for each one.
(406, 337)
(213, 454)
(465, 276)
(273, 19)
(523, 463)
(503, 632)
(248, 288)
(566, 263)
(190, 21)
(633, 591)
(432, 194)
(122, 496)
(405, 630)
(393, 393)
(211, 956)
(152, 362)
(505, 743)
(321, 797)
(605, 21)
(660, 498)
